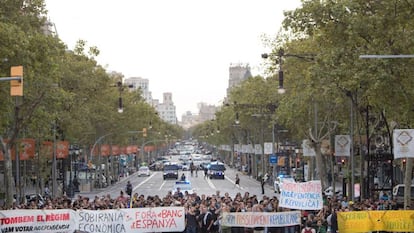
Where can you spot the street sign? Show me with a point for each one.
(273, 159)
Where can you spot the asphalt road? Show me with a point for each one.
(156, 185)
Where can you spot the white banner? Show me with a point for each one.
(342, 145)
(258, 149)
(268, 150)
(307, 148)
(159, 219)
(62, 220)
(403, 143)
(301, 196)
(261, 219)
(237, 148)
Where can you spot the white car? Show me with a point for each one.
(144, 171)
(280, 180)
(184, 186)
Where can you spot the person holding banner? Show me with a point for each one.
(191, 220)
(206, 220)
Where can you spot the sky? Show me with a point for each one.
(181, 46)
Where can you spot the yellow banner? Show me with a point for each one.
(366, 221)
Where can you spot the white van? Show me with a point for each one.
(398, 194)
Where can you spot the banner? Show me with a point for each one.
(46, 149)
(159, 219)
(268, 148)
(26, 149)
(258, 149)
(403, 143)
(261, 219)
(307, 148)
(62, 149)
(116, 150)
(301, 196)
(62, 220)
(372, 221)
(342, 145)
(105, 150)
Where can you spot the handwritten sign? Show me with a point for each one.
(376, 220)
(261, 219)
(37, 221)
(160, 219)
(301, 196)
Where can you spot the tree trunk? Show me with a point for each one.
(407, 183)
(8, 175)
(320, 166)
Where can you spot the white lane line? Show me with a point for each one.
(162, 185)
(233, 182)
(144, 181)
(211, 184)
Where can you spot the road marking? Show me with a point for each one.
(211, 184)
(231, 181)
(162, 185)
(144, 181)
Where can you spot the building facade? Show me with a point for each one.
(166, 110)
(141, 84)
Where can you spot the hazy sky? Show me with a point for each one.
(181, 46)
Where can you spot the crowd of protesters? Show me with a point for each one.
(203, 212)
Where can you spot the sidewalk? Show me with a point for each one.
(97, 191)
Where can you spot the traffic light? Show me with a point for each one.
(144, 132)
(16, 86)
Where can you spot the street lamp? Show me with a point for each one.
(121, 89)
(279, 60)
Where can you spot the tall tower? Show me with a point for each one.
(238, 73)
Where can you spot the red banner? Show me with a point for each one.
(62, 149)
(27, 148)
(149, 148)
(129, 150)
(115, 150)
(46, 149)
(105, 150)
(123, 150)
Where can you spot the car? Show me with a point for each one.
(170, 171)
(184, 186)
(143, 171)
(216, 170)
(185, 166)
(398, 193)
(280, 180)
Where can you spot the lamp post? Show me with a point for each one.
(121, 89)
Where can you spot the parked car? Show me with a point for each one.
(280, 180)
(143, 171)
(170, 171)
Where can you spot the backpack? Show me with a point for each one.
(308, 230)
